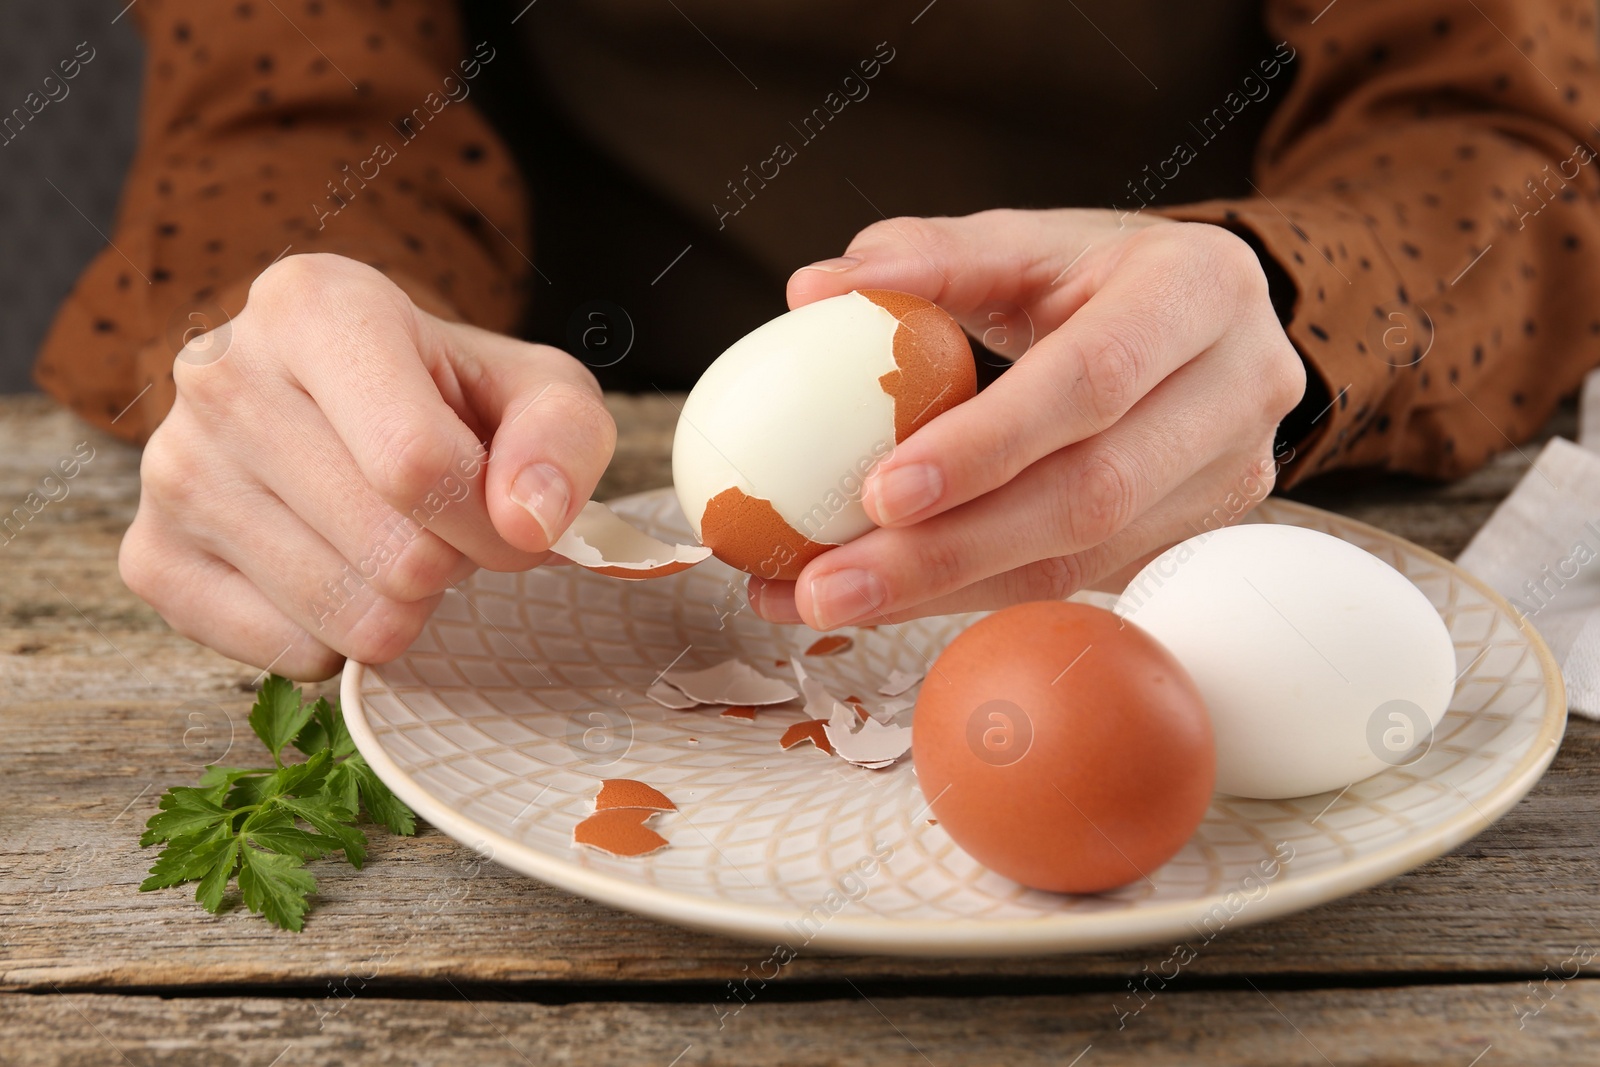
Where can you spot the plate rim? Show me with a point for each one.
(1043, 935)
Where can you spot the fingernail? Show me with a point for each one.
(845, 596)
(774, 607)
(542, 491)
(837, 265)
(901, 492)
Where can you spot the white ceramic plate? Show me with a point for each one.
(526, 690)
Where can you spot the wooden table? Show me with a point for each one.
(411, 960)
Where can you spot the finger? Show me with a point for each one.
(210, 602)
(316, 478)
(1164, 305)
(553, 437)
(1196, 508)
(381, 373)
(302, 576)
(962, 264)
(1064, 504)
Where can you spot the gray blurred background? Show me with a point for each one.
(82, 143)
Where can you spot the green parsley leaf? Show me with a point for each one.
(330, 816)
(299, 779)
(274, 830)
(250, 791)
(380, 801)
(251, 821)
(344, 784)
(326, 730)
(184, 810)
(209, 891)
(276, 885)
(278, 714)
(187, 858)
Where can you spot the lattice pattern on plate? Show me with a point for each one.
(526, 690)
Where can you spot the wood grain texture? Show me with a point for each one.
(102, 707)
(1449, 1026)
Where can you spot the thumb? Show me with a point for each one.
(552, 436)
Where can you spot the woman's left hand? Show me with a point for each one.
(1142, 413)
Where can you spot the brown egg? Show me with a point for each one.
(777, 437)
(1063, 747)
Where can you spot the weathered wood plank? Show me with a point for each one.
(82, 777)
(1451, 1026)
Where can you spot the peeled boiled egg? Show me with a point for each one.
(1063, 747)
(776, 438)
(1321, 664)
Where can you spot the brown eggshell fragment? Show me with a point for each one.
(935, 367)
(1063, 747)
(600, 540)
(740, 711)
(628, 793)
(746, 532)
(619, 832)
(813, 730)
(830, 645)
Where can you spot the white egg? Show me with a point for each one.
(1321, 665)
(777, 437)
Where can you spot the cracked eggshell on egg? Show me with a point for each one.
(777, 436)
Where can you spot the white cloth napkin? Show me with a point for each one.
(1541, 551)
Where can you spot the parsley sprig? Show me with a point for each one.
(263, 823)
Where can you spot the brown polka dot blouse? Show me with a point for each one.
(1420, 175)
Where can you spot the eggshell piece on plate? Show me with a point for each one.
(886, 711)
(819, 702)
(777, 436)
(600, 540)
(670, 696)
(629, 793)
(830, 645)
(740, 711)
(1063, 747)
(619, 832)
(729, 682)
(813, 730)
(898, 682)
(864, 741)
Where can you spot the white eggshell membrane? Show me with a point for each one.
(1295, 639)
(791, 414)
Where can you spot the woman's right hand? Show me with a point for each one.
(336, 458)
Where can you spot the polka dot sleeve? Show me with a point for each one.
(1429, 185)
(275, 127)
